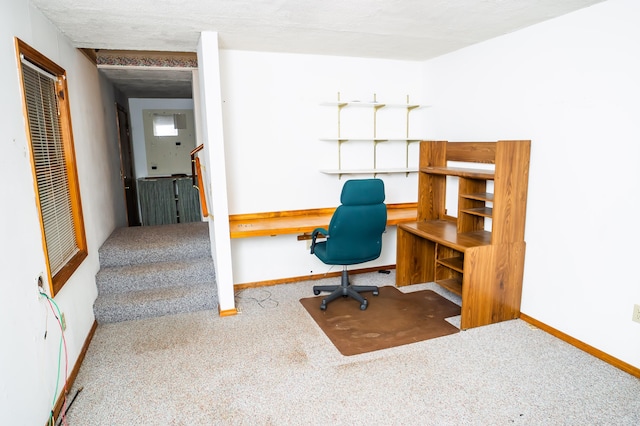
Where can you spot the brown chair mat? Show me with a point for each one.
(392, 318)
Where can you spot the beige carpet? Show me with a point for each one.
(393, 318)
(272, 365)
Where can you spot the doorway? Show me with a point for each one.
(127, 171)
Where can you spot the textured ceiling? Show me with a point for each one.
(147, 74)
(392, 29)
(150, 83)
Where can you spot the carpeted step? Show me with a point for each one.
(134, 305)
(155, 271)
(120, 279)
(151, 244)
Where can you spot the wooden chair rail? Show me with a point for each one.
(303, 221)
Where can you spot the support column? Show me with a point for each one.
(210, 103)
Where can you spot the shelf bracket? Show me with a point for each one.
(406, 161)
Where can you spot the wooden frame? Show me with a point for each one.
(57, 280)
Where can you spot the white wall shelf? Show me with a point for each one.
(370, 104)
(368, 171)
(375, 106)
(347, 139)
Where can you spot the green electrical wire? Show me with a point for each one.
(55, 393)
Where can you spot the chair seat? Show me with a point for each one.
(321, 252)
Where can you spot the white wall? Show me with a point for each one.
(283, 256)
(136, 106)
(274, 123)
(571, 85)
(273, 126)
(28, 361)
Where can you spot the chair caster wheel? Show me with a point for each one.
(323, 306)
(376, 292)
(316, 292)
(364, 305)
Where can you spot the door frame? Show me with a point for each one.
(127, 177)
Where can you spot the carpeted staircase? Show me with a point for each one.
(152, 271)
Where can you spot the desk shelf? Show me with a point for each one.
(479, 211)
(460, 172)
(455, 263)
(484, 267)
(445, 232)
(482, 196)
(454, 285)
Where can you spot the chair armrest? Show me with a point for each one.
(314, 235)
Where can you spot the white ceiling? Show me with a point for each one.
(151, 83)
(392, 29)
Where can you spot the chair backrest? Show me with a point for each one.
(357, 225)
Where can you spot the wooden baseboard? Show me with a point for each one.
(57, 409)
(314, 277)
(227, 312)
(627, 368)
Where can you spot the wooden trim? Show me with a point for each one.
(57, 281)
(63, 275)
(286, 213)
(268, 283)
(227, 312)
(301, 221)
(74, 373)
(306, 212)
(627, 368)
(74, 186)
(37, 57)
(90, 54)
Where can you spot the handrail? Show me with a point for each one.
(198, 183)
(193, 163)
(197, 148)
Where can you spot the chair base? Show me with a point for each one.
(345, 290)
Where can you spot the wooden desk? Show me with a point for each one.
(484, 267)
(303, 221)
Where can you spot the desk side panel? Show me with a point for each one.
(510, 191)
(415, 259)
(492, 284)
(431, 187)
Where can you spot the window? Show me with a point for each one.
(168, 125)
(46, 105)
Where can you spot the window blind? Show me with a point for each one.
(52, 178)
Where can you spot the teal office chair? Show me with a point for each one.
(354, 236)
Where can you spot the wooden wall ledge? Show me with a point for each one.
(303, 221)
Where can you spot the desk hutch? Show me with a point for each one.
(484, 267)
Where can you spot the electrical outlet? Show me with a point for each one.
(63, 322)
(636, 313)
